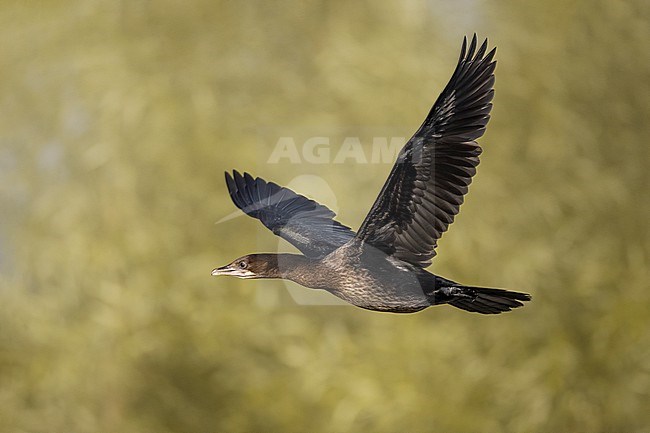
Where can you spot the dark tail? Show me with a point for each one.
(486, 300)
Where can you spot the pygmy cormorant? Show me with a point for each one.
(381, 267)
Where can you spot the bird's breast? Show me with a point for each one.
(375, 286)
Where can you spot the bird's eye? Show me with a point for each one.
(242, 265)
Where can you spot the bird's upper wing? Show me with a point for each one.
(432, 173)
(305, 224)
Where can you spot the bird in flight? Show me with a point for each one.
(382, 266)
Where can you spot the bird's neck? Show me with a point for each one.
(296, 268)
(283, 265)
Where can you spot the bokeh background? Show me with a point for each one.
(119, 118)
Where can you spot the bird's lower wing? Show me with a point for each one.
(306, 224)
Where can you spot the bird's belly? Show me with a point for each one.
(370, 280)
(406, 297)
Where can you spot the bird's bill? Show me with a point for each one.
(233, 272)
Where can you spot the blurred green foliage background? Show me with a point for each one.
(119, 118)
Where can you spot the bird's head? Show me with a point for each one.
(251, 266)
